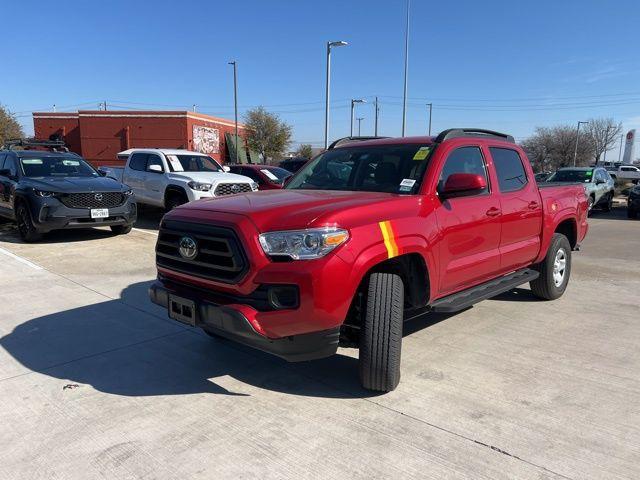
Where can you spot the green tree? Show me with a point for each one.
(266, 133)
(9, 126)
(305, 151)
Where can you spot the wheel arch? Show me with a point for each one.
(173, 189)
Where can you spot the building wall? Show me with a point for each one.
(99, 135)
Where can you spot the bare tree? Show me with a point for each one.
(603, 133)
(9, 126)
(550, 148)
(267, 134)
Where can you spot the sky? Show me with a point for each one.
(505, 65)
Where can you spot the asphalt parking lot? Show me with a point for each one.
(96, 382)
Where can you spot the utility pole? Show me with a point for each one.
(330, 45)
(353, 102)
(575, 152)
(194, 107)
(430, 105)
(620, 152)
(105, 105)
(54, 107)
(406, 71)
(606, 144)
(235, 107)
(359, 121)
(375, 128)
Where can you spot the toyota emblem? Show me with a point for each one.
(188, 248)
(98, 197)
(235, 188)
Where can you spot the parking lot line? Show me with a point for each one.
(20, 259)
(145, 231)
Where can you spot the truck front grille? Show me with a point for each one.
(231, 188)
(93, 200)
(218, 253)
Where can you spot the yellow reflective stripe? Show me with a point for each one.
(389, 238)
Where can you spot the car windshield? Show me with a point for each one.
(276, 174)
(56, 166)
(193, 163)
(386, 168)
(583, 176)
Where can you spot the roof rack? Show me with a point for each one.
(53, 145)
(340, 141)
(472, 132)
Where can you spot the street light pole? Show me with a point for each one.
(235, 106)
(359, 120)
(620, 152)
(575, 152)
(375, 129)
(353, 102)
(406, 71)
(606, 144)
(328, 89)
(430, 105)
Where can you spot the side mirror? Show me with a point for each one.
(463, 184)
(155, 169)
(226, 169)
(102, 173)
(599, 181)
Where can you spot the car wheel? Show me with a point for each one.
(26, 229)
(175, 200)
(555, 270)
(121, 229)
(381, 333)
(631, 213)
(608, 204)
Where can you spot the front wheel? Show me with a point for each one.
(554, 270)
(121, 229)
(175, 200)
(381, 333)
(26, 228)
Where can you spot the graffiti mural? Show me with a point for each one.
(206, 139)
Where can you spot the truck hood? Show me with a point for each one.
(74, 184)
(291, 209)
(209, 177)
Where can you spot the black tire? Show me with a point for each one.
(631, 213)
(546, 286)
(121, 229)
(381, 333)
(175, 200)
(608, 205)
(26, 228)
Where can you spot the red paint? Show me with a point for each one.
(464, 240)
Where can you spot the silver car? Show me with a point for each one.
(598, 184)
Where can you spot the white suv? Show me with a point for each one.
(168, 178)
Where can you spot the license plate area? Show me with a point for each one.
(99, 212)
(182, 310)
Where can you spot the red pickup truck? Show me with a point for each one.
(364, 237)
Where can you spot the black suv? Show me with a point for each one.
(51, 190)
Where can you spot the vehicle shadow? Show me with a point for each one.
(618, 212)
(122, 349)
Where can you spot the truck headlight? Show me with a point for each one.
(43, 193)
(303, 244)
(201, 187)
(254, 186)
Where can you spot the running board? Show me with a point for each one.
(466, 298)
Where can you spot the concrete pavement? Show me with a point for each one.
(96, 382)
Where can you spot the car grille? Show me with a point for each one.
(93, 200)
(219, 254)
(231, 188)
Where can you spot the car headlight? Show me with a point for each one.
(303, 244)
(128, 193)
(43, 193)
(201, 187)
(254, 186)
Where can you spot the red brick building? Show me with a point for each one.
(99, 135)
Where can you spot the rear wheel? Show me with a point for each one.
(121, 229)
(608, 204)
(26, 229)
(554, 270)
(381, 334)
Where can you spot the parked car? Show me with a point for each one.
(167, 178)
(44, 191)
(625, 172)
(341, 256)
(633, 202)
(267, 177)
(542, 176)
(293, 164)
(598, 185)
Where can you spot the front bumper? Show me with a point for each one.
(234, 322)
(50, 214)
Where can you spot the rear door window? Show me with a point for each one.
(509, 168)
(138, 161)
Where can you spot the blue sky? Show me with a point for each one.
(505, 65)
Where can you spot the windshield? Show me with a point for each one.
(56, 166)
(583, 176)
(386, 168)
(193, 163)
(276, 174)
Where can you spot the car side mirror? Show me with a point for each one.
(463, 184)
(226, 169)
(155, 169)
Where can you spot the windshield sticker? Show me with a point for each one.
(588, 173)
(407, 184)
(269, 175)
(422, 153)
(175, 163)
(32, 161)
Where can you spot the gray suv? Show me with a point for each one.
(599, 187)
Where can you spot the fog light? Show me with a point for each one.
(283, 296)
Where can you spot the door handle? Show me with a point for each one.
(533, 205)
(493, 212)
